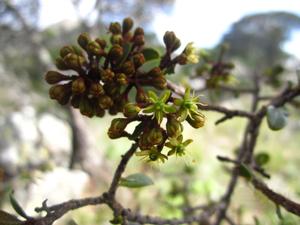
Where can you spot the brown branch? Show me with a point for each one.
(278, 199)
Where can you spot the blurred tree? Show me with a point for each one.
(257, 39)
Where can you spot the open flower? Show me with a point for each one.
(187, 105)
(177, 146)
(159, 106)
(152, 155)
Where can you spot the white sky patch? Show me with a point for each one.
(204, 22)
(200, 21)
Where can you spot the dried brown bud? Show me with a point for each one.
(159, 82)
(74, 61)
(60, 64)
(61, 93)
(155, 136)
(139, 31)
(171, 41)
(75, 101)
(101, 42)
(139, 40)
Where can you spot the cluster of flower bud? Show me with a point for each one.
(213, 71)
(111, 76)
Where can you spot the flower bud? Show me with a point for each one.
(138, 60)
(131, 110)
(155, 136)
(101, 42)
(53, 77)
(60, 64)
(99, 112)
(127, 25)
(155, 72)
(116, 52)
(196, 120)
(94, 48)
(96, 89)
(105, 102)
(74, 61)
(139, 40)
(115, 28)
(139, 31)
(75, 101)
(144, 144)
(141, 96)
(117, 127)
(83, 40)
(86, 107)
(171, 41)
(174, 127)
(61, 93)
(116, 39)
(159, 82)
(122, 79)
(128, 68)
(107, 75)
(65, 51)
(78, 86)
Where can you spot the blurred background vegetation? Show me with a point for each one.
(49, 151)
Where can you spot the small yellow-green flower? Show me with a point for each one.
(190, 52)
(177, 146)
(159, 106)
(152, 155)
(187, 105)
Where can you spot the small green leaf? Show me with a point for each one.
(276, 117)
(17, 206)
(150, 53)
(262, 158)
(136, 180)
(8, 219)
(245, 171)
(149, 65)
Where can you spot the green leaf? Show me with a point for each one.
(245, 171)
(127, 47)
(149, 65)
(136, 180)
(276, 117)
(8, 219)
(150, 53)
(262, 158)
(17, 206)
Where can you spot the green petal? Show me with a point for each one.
(152, 96)
(178, 101)
(183, 115)
(165, 96)
(171, 152)
(169, 145)
(149, 109)
(169, 109)
(187, 93)
(180, 138)
(159, 116)
(187, 142)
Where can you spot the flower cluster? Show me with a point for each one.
(112, 76)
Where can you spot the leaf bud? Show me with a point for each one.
(131, 110)
(78, 86)
(53, 77)
(115, 28)
(196, 120)
(83, 40)
(127, 25)
(171, 41)
(105, 102)
(117, 127)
